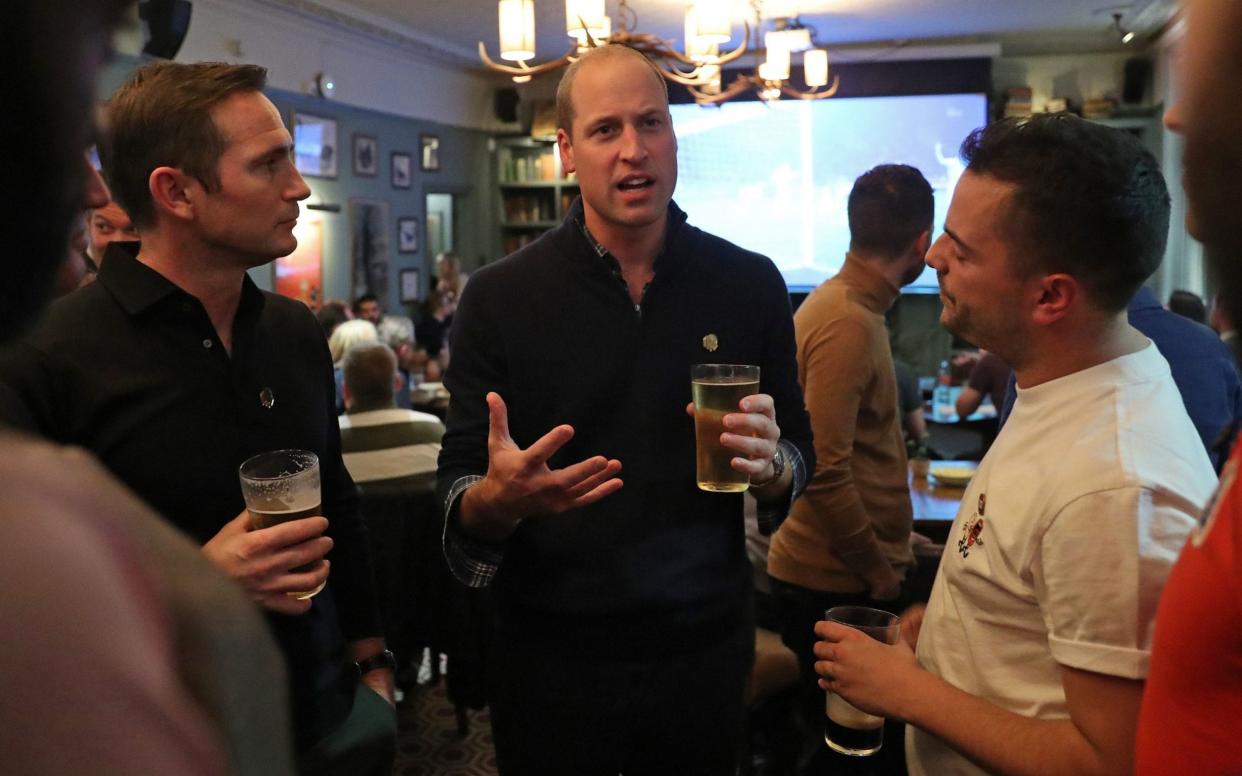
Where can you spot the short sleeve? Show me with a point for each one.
(1098, 573)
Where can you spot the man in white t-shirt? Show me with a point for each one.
(1034, 646)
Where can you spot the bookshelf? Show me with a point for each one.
(533, 190)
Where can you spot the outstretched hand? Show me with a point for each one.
(520, 484)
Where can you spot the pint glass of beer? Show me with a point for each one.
(846, 729)
(280, 486)
(717, 390)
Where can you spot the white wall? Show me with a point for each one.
(391, 73)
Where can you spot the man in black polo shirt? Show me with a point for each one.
(174, 368)
(626, 633)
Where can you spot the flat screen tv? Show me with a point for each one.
(775, 178)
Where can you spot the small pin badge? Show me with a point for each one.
(710, 343)
(267, 398)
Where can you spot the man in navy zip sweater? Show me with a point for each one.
(626, 635)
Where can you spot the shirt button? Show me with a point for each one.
(207, 343)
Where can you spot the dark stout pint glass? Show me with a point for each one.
(280, 486)
(717, 389)
(846, 729)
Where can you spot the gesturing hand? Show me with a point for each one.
(262, 560)
(520, 484)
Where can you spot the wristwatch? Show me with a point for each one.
(778, 468)
(385, 659)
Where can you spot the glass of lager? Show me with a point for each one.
(717, 391)
(280, 486)
(846, 729)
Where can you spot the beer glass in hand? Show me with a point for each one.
(846, 729)
(717, 390)
(280, 486)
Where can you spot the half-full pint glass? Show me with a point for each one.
(846, 729)
(717, 390)
(280, 486)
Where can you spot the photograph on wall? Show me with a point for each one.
(366, 162)
(409, 286)
(401, 177)
(407, 235)
(368, 247)
(430, 152)
(300, 274)
(314, 145)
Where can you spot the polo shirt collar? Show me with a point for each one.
(138, 288)
(674, 234)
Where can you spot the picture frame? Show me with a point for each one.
(429, 156)
(315, 151)
(409, 286)
(402, 178)
(407, 234)
(366, 156)
(369, 240)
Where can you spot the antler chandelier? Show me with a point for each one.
(698, 66)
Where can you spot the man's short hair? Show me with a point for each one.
(889, 207)
(1188, 304)
(564, 99)
(360, 301)
(369, 372)
(161, 117)
(1090, 201)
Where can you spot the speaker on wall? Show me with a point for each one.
(166, 23)
(1137, 78)
(506, 104)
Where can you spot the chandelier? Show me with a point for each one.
(697, 66)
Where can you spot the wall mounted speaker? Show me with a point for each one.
(166, 23)
(1137, 79)
(506, 104)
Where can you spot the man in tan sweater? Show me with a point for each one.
(847, 539)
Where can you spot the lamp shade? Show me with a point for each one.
(714, 24)
(778, 59)
(696, 47)
(588, 12)
(815, 67)
(517, 29)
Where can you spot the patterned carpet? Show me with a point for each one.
(428, 743)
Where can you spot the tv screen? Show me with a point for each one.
(775, 178)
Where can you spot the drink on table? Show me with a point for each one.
(847, 729)
(280, 486)
(717, 390)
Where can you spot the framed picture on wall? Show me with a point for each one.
(430, 146)
(314, 145)
(366, 162)
(409, 286)
(401, 176)
(407, 235)
(368, 241)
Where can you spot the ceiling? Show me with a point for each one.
(1020, 26)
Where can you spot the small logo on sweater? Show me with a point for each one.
(983, 502)
(267, 399)
(972, 536)
(710, 343)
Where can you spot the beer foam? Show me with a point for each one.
(845, 715)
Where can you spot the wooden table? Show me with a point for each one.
(935, 504)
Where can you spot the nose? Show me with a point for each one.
(299, 190)
(633, 149)
(1173, 118)
(94, 191)
(935, 255)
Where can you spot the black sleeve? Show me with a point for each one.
(477, 365)
(27, 392)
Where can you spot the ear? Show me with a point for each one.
(173, 192)
(397, 382)
(922, 244)
(567, 150)
(1059, 294)
(346, 398)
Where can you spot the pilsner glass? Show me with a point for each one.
(846, 729)
(718, 389)
(280, 486)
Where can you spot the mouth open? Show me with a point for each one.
(636, 183)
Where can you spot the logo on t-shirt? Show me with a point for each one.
(972, 533)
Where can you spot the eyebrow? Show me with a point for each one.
(955, 238)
